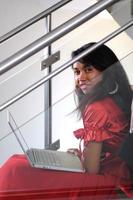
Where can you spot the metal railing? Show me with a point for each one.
(47, 40)
(33, 20)
(54, 35)
(65, 66)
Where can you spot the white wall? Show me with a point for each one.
(63, 122)
(12, 14)
(120, 8)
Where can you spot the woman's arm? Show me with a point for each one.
(92, 154)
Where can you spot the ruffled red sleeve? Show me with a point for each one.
(101, 122)
(96, 125)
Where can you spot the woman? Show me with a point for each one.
(104, 101)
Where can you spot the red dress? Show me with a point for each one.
(103, 121)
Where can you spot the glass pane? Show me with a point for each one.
(30, 113)
(64, 123)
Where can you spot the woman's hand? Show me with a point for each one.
(75, 152)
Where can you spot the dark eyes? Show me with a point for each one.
(86, 70)
(76, 72)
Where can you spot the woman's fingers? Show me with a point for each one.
(74, 151)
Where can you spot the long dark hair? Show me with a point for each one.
(114, 83)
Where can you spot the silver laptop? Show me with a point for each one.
(47, 159)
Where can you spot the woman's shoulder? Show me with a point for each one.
(102, 104)
(95, 111)
(106, 103)
(105, 113)
(105, 107)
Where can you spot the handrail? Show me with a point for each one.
(57, 33)
(65, 66)
(33, 20)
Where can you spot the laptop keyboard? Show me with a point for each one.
(46, 157)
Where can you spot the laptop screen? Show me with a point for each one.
(17, 132)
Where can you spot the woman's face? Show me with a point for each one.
(86, 78)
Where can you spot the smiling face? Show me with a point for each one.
(86, 77)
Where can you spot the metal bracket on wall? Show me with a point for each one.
(50, 60)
